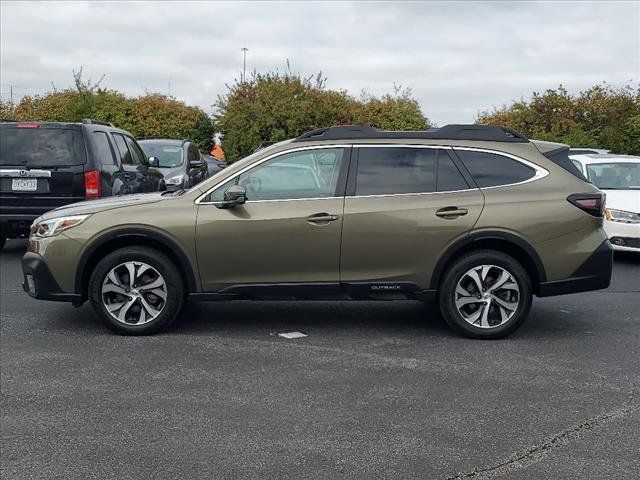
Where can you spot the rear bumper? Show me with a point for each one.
(593, 274)
(16, 225)
(39, 283)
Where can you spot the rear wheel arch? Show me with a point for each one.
(112, 241)
(505, 242)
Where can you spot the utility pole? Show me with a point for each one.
(244, 63)
(11, 94)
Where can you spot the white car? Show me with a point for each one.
(619, 177)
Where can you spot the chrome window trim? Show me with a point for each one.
(199, 200)
(540, 172)
(25, 173)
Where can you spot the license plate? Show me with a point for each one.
(24, 184)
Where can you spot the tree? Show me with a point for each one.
(272, 107)
(601, 117)
(152, 114)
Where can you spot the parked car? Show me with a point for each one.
(215, 164)
(619, 177)
(587, 150)
(45, 165)
(179, 160)
(476, 217)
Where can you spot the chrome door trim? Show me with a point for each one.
(25, 173)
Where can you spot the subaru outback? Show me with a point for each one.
(477, 218)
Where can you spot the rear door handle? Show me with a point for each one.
(321, 218)
(451, 212)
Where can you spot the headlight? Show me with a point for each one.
(53, 226)
(177, 180)
(622, 216)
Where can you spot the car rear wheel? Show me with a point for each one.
(3, 239)
(136, 291)
(485, 294)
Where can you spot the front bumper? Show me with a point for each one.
(593, 274)
(39, 283)
(623, 236)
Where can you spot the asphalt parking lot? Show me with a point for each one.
(379, 390)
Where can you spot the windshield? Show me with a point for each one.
(169, 156)
(41, 147)
(615, 176)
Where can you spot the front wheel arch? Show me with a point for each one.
(112, 241)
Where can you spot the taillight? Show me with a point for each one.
(592, 203)
(28, 125)
(92, 184)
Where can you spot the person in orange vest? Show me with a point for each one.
(217, 151)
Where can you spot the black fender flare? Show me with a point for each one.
(170, 244)
(484, 235)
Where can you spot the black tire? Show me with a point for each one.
(3, 239)
(456, 271)
(175, 290)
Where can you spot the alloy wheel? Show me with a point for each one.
(134, 293)
(487, 296)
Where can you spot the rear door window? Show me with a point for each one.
(395, 170)
(136, 152)
(123, 151)
(492, 169)
(41, 146)
(103, 148)
(449, 177)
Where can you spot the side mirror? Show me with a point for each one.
(234, 195)
(154, 162)
(196, 164)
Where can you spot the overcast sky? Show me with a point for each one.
(458, 58)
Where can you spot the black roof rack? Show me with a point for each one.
(97, 122)
(489, 133)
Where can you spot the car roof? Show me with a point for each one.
(605, 158)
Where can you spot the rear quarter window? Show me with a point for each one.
(492, 169)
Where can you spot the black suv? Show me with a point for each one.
(44, 165)
(179, 161)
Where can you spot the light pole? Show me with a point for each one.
(244, 62)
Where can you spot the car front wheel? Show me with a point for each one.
(485, 294)
(136, 291)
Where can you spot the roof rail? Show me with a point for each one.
(97, 122)
(490, 133)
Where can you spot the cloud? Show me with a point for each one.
(458, 58)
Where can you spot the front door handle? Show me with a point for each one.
(451, 212)
(321, 218)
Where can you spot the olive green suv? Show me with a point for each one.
(477, 218)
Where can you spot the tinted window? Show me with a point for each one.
(194, 154)
(289, 176)
(392, 170)
(40, 146)
(491, 169)
(125, 156)
(136, 154)
(449, 177)
(103, 148)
